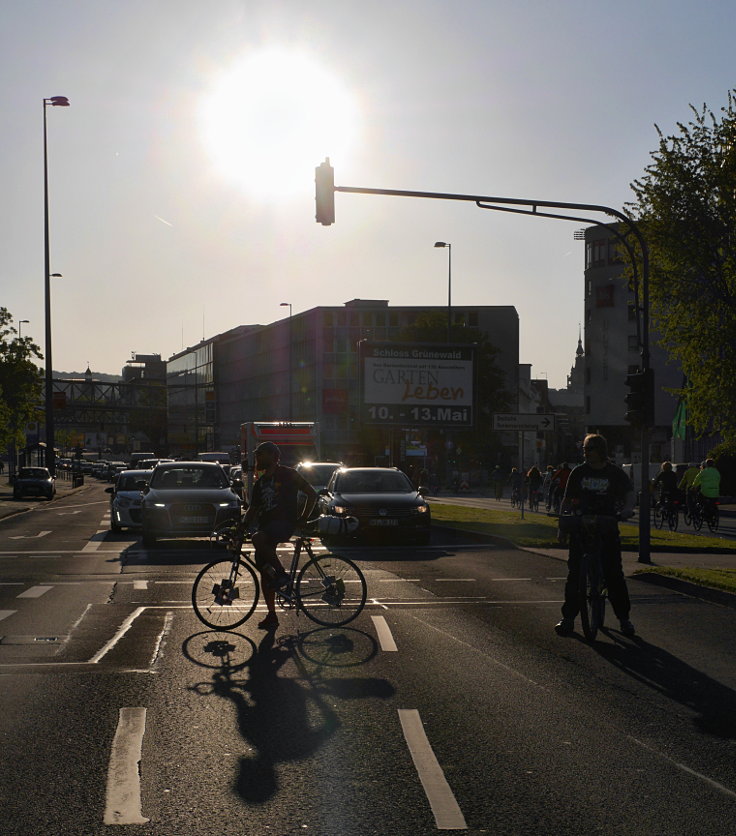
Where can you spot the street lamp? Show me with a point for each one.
(54, 101)
(449, 284)
(285, 305)
(20, 330)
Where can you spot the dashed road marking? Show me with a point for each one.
(385, 638)
(446, 810)
(34, 592)
(6, 613)
(123, 794)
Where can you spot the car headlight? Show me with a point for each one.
(159, 504)
(340, 509)
(232, 504)
(422, 509)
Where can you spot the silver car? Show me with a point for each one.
(126, 499)
(187, 499)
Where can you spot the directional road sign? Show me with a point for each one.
(523, 422)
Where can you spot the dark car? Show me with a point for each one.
(383, 500)
(187, 499)
(34, 481)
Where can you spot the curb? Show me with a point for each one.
(694, 590)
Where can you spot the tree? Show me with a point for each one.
(21, 381)
(686, 204)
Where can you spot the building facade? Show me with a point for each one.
(303, 368)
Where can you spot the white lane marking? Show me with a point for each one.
(34, 592)
(6, 613)
(123, 795)
(67, 513)
(124, 627)
(454, 580)
(95, 540)
(683, 768)
(140, 584)
(385, 638)
(29, 536)
(378, 603)
(447, 812)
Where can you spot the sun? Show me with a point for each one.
(272, 117)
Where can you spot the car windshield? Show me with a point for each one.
(189, 477)
(129, 482)
(318, 474)
(33, 473)
(367, 481)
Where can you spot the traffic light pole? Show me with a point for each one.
(325, 200)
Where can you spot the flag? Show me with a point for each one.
(679, 422)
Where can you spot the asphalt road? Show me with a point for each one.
(450, 703)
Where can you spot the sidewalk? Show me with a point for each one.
(10, 506)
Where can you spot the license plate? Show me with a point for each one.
(383, 522)
(193, 520)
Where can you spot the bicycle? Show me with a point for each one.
(329, 589)
(515, 498)
(534, 500)
(705, 510)
(666, 510)
(592, 593)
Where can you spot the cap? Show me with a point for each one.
(268, 447)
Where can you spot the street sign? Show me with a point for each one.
(523, 422)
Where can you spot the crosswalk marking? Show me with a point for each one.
(34, 592)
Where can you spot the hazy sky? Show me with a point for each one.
(170, 219)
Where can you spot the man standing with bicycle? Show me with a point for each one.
(597, 487)
(274, 507)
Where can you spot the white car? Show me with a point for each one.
(126, 499)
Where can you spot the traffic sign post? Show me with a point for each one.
(524, 422)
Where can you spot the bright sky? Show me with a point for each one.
(182, 176)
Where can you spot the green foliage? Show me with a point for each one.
(21, 381)
(686, 203)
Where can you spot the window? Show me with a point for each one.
(596, 253)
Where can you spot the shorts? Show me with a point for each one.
(277, 531)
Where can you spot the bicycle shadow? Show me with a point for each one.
(712, 701)
(286, 718)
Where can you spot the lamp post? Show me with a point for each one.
(20, 329)
(285, 305)
(449, 284)
(54, 101)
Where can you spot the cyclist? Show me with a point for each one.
(708, 483)
(559, 483)
(666, 481)
(517, 481)
(274, 509)
(598, 487)
(497, 479)
(547, 486)
(686, 485)
(534, 483)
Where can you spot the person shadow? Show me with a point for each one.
(713, 703)
(283, 718)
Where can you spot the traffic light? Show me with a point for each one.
(640, 400)
(324, 182)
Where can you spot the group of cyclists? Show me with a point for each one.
(696, 491)
(533, 486)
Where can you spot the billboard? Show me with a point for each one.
(413, 385)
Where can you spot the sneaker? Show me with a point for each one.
(270, 622)
(627, 628)
(565, 627)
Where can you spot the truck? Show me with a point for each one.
(297, 440)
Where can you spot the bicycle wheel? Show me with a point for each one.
(713, 519)
(658, 514)
(331, 590)
(225, 593)
(697, 518)
(591, 596)
(673, 517)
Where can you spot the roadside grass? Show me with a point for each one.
(716, 578)
(540, 531)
